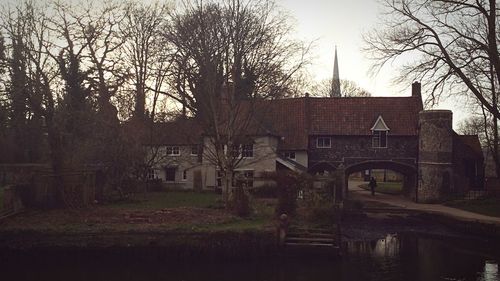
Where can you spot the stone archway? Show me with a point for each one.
(409, 173)
(321, 167)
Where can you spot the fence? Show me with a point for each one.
(34, 186)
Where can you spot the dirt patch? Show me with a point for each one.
(120, 219)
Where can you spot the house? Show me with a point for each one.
(319, 135)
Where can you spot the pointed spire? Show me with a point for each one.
(336, 78)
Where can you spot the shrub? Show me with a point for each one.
(288, 184)
(265, 191)
(240, 203)
(154, 185)
(324, 214)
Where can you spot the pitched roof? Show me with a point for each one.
(178, 132)
(471, 141)
(286, 118)
(294, 119)
(356, 115)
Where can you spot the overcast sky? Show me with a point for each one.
(342, 23)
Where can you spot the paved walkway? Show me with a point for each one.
(360, 194)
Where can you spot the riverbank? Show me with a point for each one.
(167, 245)
(142, 230)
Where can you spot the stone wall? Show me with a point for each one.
(353, 149)
(435, 167)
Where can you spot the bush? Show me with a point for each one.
(265, 191)
(240, 203)
(324, 214)
(287, 185)
(154, 185)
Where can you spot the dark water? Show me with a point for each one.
(397, 257)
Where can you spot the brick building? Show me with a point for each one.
(325, 134)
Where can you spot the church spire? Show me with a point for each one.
(335, 92)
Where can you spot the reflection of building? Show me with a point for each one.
(323, 134)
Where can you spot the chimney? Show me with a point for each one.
(416, 89)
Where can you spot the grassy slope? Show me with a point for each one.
(489, 206)
(162, 200)
(208, 216)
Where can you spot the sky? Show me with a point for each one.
(339, 23)
(342, 23)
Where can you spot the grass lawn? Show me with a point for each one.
(173, 199)
(153, 211)
(489, 206)
(386, 187)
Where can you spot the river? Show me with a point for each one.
(396, 257)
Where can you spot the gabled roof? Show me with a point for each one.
(380, 125)
(287, 119)
(293, 120)
(356, 115)
(179, 132)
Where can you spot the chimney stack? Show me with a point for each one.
(416, 89)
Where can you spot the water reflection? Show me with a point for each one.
(490, 272)
(395, 257)
(386, 247)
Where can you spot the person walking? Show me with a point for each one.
(372, 184)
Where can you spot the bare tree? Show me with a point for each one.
(451, 45)
(145, 53)
(28, 30)
(229, 51)
(98, 28)
(348, 88)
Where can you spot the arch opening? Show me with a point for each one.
(386, 172)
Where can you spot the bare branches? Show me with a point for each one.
(442, 42)
(452, 45)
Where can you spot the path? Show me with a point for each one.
(360, 194)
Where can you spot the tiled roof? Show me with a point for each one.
(297, 118)
(294, 119)
(285, 118)
(178, 132)
(472, 141)
(357, 115)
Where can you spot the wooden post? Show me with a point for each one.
(282, 229)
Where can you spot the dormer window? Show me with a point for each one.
(379, 131)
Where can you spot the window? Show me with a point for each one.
(289, 155)
(379, 139)
(170, 174)
(194, 150)
(323, 142)
(244, 150)
(247, 150)
(151, 174)
(243, 178)
(218, 178)
(173, 151)
(379, 130)
(184, 175)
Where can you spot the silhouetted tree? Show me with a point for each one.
(348, 88)
(452, 46)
